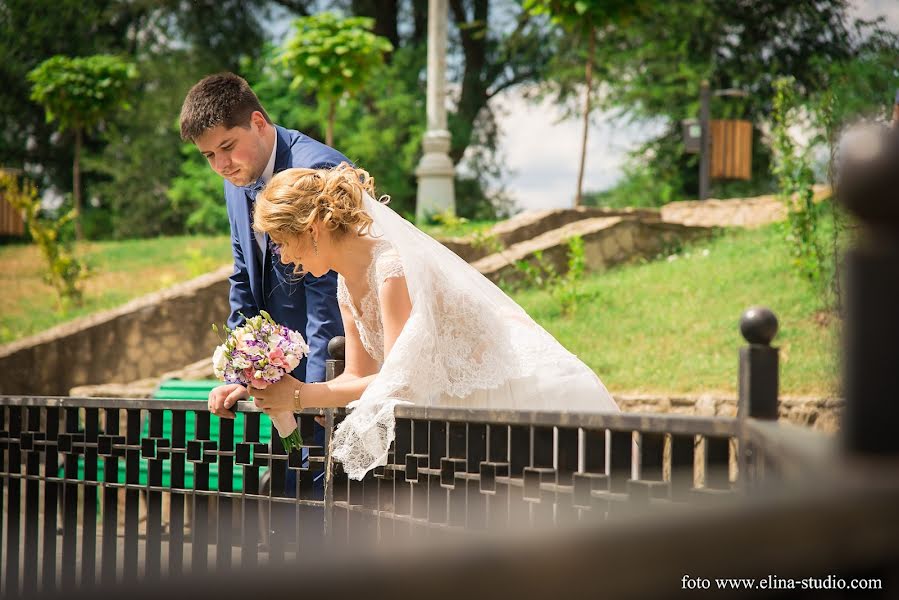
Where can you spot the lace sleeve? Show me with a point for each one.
(389, 265)
(343, 296)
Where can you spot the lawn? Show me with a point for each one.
(671, 325)
(122, 271)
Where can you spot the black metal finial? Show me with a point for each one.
(337, 347)
(758, 325)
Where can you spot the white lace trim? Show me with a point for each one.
(385, 264)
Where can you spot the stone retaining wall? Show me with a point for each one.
(607, 241)
(144, 338)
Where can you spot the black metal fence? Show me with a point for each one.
(104, 490)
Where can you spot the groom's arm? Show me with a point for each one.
(323, 321)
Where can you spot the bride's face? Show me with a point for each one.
(300, 249)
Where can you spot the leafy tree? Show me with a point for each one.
(652, 69)
(64, 269)
(335, 57)
(79, 93)
(584, 19)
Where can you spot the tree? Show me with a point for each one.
(79, 93)
(653, 68)
(584, 19)
(333, 57)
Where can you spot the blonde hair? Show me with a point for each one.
(294, 199)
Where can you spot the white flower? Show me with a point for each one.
(219, 361)
(271, 373)
(705, 251)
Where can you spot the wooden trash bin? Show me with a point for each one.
(731, 155)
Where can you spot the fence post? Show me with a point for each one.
(333, 367)
(868, 186)
(759, 377)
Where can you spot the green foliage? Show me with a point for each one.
(64, 270)
(651, 69)
(795, 176)
(380, 130)
(197, 192)
(80, 92)
(582, 16)
(331, 56)
(565, 288)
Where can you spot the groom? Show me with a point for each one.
(223, 117)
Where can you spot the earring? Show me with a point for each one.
(314, 247)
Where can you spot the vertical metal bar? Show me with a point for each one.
(89, 508)
(109, 569)
(621, 455)
(51, 499)
(32, 503)
(70, 502)
(14, 501)
(177, 497)
(252, 507)
(199, 541)
(682, 466)
(705, 139)
(276, 510)
(225, 504)
(758, 365)
(153, 560)
(132, 495)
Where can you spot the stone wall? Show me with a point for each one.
(608, 241)
(822, 414)
(144, 338)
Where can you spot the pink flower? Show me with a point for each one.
(250, 375)
(259, 384)
(276, 358)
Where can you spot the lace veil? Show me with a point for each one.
(466, 344)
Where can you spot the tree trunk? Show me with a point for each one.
(76, 184)
(329, 132)
(386, 16)
(588, 78)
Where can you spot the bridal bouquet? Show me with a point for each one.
(259, 353)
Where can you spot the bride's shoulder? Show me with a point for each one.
(388, 262)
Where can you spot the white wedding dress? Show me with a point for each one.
(466, 344)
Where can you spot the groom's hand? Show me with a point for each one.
(222, 398)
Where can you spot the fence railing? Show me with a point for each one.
(104, 490)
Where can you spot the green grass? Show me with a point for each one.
(660, 326)
(121, 271)
(454, 229)
(672, 326)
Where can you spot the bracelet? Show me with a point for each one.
(296, 398)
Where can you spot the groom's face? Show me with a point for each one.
(238, 154)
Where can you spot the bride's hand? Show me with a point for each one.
(277, 397)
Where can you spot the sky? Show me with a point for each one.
(542, 154)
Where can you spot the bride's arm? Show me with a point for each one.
(395, 310)
(360, 369)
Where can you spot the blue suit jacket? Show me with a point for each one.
(261, 282)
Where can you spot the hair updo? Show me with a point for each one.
(294, 199)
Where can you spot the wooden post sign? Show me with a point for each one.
(731, 149)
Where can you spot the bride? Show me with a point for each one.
(422, 325)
